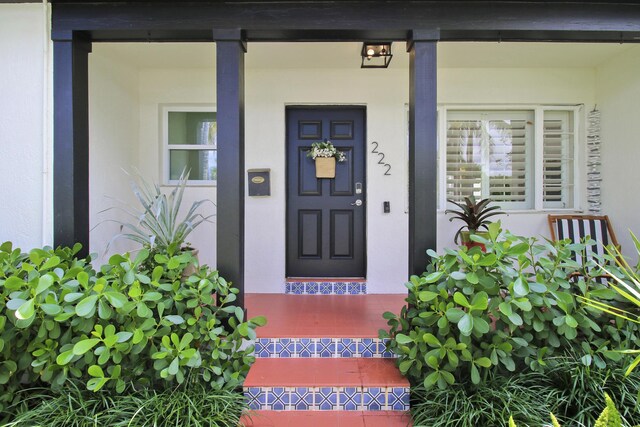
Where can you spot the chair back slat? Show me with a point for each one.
(576, 230)
(577, 227)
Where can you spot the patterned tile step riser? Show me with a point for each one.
(321, 347)
(328, 398)
(325, 288)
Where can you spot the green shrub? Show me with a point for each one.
(528, 398)
(134, 322)
(508, 309)
(195, 406)
(567, 388)
(582, 388)
(609, 417)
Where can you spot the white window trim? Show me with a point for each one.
(538, 110)
(165, 146)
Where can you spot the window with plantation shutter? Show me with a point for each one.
(505, 156)
(558, 160)
(489, 154)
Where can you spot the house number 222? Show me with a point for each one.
(387, 166)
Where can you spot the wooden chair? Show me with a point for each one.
(577, 227)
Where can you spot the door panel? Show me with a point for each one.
(325, 232)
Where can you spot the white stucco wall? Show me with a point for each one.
(385, 94)
(25, 215)
(113, 146)
(618, 93)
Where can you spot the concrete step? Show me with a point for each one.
(324, 384)
(326, 419)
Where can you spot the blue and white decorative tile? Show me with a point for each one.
(373, 399)
(312, 288)
(256, 398)
(353, 288)
(349, 398)
(278, 398)
(264, 347)
(367, 347)
(325, 288)
(383, 349)
(305, 347)
(326, 398)
(346, 347)
(325, 347)
(301, 399)
(398, 398)
(297, 288)
(284, 347)
(339, 288)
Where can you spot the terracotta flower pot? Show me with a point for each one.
(191, 268)
(325, 167)
(465, 237)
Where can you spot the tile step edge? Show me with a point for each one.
(321, 348)
(328, 398)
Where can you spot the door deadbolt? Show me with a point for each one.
(357, 203)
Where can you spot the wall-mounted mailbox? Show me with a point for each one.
(259, 182)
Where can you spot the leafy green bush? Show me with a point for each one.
(194, 406)
(135, 321)
(509, 309)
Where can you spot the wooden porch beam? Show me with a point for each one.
(352, 20)
(423, 148)
(230, 50)
(71, 139)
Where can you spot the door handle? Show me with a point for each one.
(357, 203)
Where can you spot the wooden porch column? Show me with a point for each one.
(423, 147)
(71, 139)
(229, 219)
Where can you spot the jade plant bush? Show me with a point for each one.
(136, 322)
(508, 308)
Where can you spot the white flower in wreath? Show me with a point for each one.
(325, 149)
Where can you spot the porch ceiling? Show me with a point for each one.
(347, 55)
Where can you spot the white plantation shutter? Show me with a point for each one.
(464, 158)
(509, 146)
(558, 160)
(489, 154)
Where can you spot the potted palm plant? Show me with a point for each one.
(475, 215)
(325, 156)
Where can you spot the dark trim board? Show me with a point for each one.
(352, 20)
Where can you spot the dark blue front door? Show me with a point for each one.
(325, 221)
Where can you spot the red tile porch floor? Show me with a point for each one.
(324, 316)
(336, 316)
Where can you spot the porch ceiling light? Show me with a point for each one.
(376, 54)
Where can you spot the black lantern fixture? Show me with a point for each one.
(376, 54)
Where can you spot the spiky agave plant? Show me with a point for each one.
(157, 223)
(475, 214)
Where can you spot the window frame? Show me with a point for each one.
(166, 148)
(537, 169)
